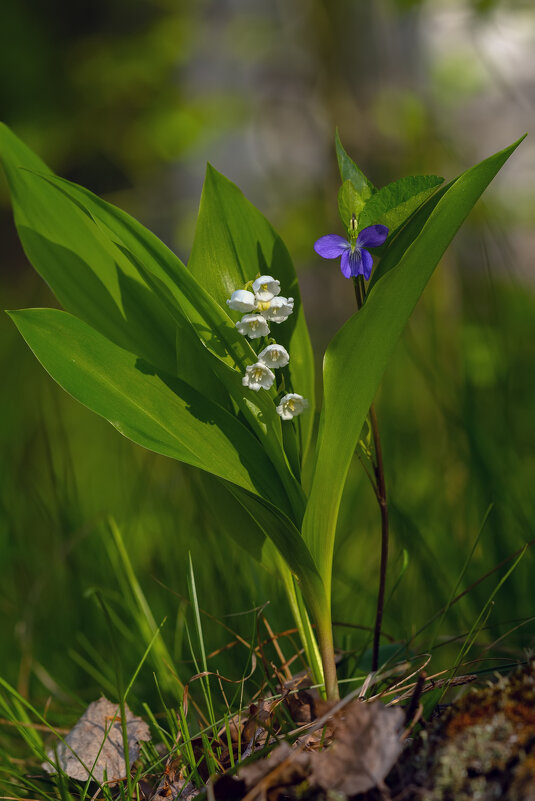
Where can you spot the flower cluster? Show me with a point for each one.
(262, 306)
(265, 302)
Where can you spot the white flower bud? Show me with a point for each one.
(292, 405)
(266, 287)
(241, 301)
(258, 376)
(274, 356)
(279, 309)
(253, 326)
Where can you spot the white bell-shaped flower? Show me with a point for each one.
(292, 405)
(253, 326)
(277, 310)
(266, 287)
(241, 300)
(258, 376)
(274, 356)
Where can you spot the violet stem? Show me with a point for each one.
(380, 493)
(383, 506)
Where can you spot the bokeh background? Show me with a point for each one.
(131, 99)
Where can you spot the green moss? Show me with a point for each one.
(483, 747)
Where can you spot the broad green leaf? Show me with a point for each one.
(393, 204)
(258, 408)
(234, 243)
(396, 245)
(116, 275)
(349, 203)
(169, 417)
(197, 317)
(357, 356)
(71, 254)
(154, 262)
(195, 313)
(155, 410)
(350, 172)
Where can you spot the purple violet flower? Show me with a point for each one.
(356, 260)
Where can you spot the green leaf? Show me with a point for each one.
(350, 172)
(110, 271)
(258, 408)
(357, 356)
(349, 203)
(159, 412)
(196, 315)
(288, 541)
(234, 243)
(229, 519)
(89, 279)
(166, 415)
(403, 238)
(393, 204)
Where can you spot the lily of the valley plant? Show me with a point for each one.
(211, 364)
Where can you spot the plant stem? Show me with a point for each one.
(380, 492)
(302, 620)
(383, 506)
(326, 644)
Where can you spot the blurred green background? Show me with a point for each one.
(131, 99)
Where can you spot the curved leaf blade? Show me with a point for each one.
(233, 244)
(393, 204)
(89, 278)
(197, 316)
(159, 412)
(110, 271)
(350, 203)
(350, 172)
(357, 356)
(288, 541)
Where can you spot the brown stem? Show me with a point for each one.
(380, 492)
(383, 506)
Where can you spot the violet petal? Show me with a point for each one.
(356, 262)
(331, 246)
(345, 264)
(367, 264)
(372, 236)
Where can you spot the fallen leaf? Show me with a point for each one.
(282, 768)
(97, 741)
(366, 744)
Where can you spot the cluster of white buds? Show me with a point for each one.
(264, 304)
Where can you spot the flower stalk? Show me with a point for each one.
(379, 486)
(380, 492)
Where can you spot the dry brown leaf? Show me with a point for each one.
(253, 773)
(97, 741)
(283, 767)
(366, 744)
